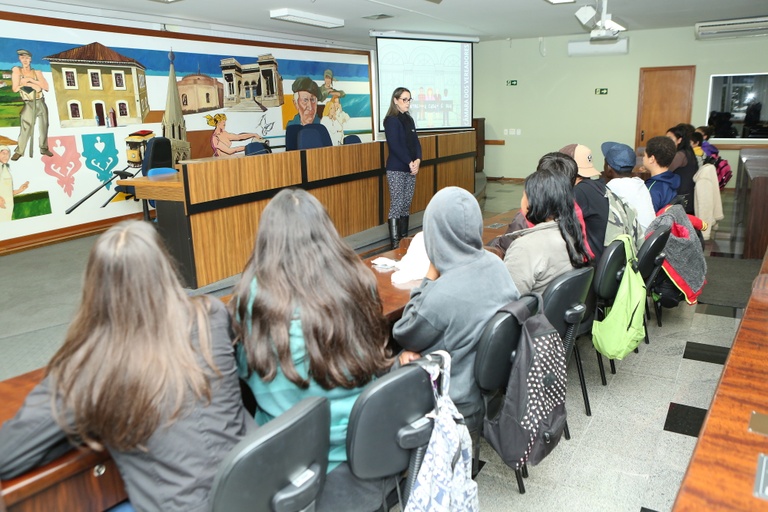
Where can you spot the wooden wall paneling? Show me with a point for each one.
(428, 147)
(456, 144)
(352, 206)
(223, 240)
(324, 163)
(217, 178)
(425, 188)
(459, 173)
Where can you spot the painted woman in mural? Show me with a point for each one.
(6, 186)
(221, 139)
(30, 84)
(333, 120)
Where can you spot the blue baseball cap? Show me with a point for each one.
(619, 156)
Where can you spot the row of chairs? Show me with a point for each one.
(388, 431)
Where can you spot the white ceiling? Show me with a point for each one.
(486, 19)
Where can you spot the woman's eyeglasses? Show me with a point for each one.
(406, 100)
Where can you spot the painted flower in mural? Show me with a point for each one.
(64, 163)
(100, 154)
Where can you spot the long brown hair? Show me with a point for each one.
(127, 363)
(393, 111)
(301, 267)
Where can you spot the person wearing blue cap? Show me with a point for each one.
(620, 161)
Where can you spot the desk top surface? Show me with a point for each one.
(722, 471)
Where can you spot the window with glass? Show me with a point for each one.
(735, 107)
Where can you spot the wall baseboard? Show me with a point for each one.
(61, 235)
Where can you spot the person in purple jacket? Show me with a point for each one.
(402, 163)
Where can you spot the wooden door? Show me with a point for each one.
(665, 99)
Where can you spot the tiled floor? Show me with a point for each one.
(630, 455)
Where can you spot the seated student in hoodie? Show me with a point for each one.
(463, 289)
(663, 183)
(554, 245)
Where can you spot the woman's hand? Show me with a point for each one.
(406, 356)
(414, 166)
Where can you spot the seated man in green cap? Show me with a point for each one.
(305, 94)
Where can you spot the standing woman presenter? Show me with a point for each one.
(402, 163)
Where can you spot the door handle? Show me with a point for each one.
(642, 135)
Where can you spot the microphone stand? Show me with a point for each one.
(117, 174)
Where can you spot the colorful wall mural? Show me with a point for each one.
(74, 102)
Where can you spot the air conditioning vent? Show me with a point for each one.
(732, 28)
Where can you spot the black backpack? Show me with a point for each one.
(532, 418)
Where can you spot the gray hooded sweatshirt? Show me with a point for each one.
(451, 312)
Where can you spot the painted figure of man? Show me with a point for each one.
(305, 94)
(6, 186)
(30, 84)
(327, 89)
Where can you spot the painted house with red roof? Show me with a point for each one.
(94, 83)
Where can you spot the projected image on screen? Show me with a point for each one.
(438, 74)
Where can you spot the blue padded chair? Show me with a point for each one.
(281, 466)
(352, 139)
(155, 171)
(158, 153)
(314, 136)
(257, 148)
(292, 136)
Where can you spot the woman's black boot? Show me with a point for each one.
(394, 235)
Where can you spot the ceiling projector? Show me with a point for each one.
(603, 34)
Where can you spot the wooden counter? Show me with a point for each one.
(208, 214)
(722, 471)
(82, 480)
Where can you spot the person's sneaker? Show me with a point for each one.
(45, 152)
(16, 156)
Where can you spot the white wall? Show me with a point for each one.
(554, 103)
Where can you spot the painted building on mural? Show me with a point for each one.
(200, 93)
(253, 86)
(92, 81)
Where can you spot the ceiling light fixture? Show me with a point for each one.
(305, 18)
(555, 2)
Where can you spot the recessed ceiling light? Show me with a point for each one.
(561, 1)
(305, 18)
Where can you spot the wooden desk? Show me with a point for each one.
(751, 205)
(721, 474)
(79, 481)
(208, 214)
(69, 483)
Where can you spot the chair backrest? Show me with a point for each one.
(158, 153)
(314, 136)
(292, 136)
(256, 148)
(608, 271)
(352, 139)
(281, 467)
(388, 421)
(496, 349)
(648, 255)
(564, 303)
